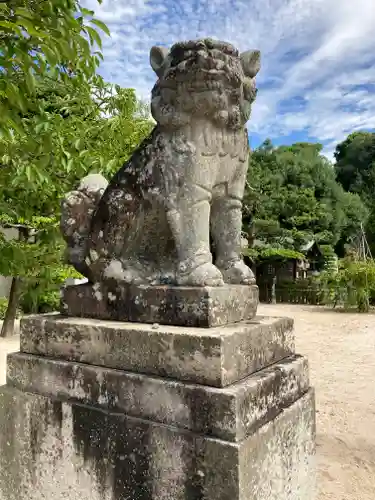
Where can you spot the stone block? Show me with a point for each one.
(180, 306)
(230, 413)
(217, 356)
(54, 450)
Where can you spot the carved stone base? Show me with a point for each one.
(217, 356)
(230, 413)
(180, 306)
(55, 449)
(172, 413)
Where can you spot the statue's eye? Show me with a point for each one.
(178, 56)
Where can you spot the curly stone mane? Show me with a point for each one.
(205, 78)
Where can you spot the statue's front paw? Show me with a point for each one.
(204, 275)
(237, 273)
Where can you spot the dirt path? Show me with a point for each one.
(6, 346)
(341, 352)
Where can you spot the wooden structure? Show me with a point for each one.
(314, 257)
(274, 273)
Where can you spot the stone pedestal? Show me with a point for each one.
(168, 305)
(104, 410)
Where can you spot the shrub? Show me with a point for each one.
(329, 258)
(3, 307)
(352, 286)
(43, 296)
(300, 291)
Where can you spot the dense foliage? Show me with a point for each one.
(39, 37)
(355, 168)
(293, 197)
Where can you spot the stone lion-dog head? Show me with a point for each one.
(205, 78)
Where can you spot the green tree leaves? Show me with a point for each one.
(355, 169)
(101, 25)
(39, 36)
(296, 198)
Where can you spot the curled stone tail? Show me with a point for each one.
(77, 209)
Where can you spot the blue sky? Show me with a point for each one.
(317, 80)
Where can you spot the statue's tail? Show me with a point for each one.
(77, 209)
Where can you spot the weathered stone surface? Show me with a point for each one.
(217, 356)
(231, 413)
(182, 187)
(180, 306)
(51, 450)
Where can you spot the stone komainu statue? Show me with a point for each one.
(181, 191)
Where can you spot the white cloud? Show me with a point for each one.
(318, 50)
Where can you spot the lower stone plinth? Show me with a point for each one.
(54, 450)
(230, 413)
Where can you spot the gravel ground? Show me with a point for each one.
(7, 345)
(341, 352)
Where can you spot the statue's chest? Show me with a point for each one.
(219, 142)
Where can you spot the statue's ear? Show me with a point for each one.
(250, 61)
(158, 56)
